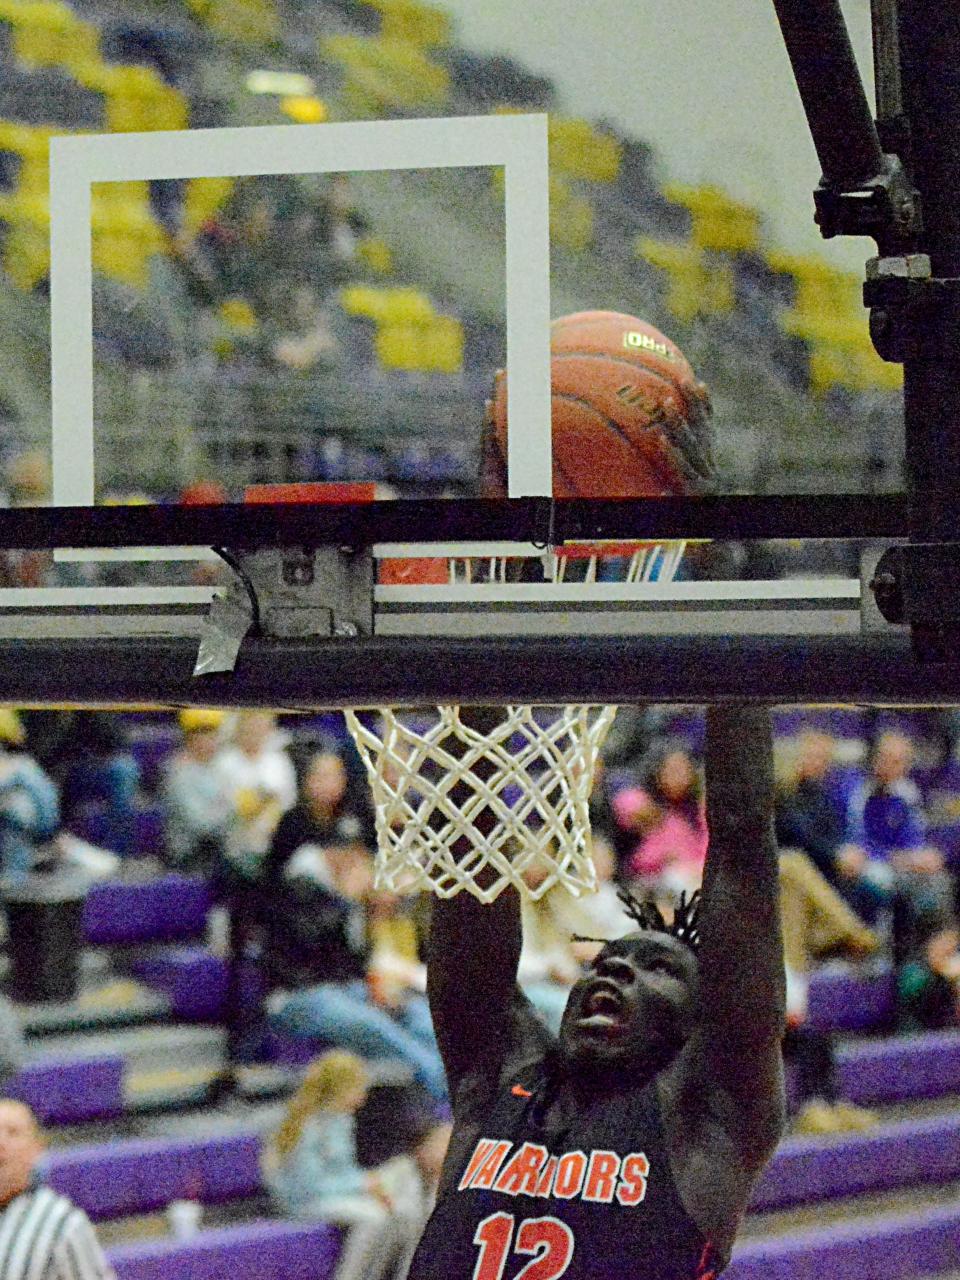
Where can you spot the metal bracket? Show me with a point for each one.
(912, 313)
(886, 207)
(919, 584)
(282, 593)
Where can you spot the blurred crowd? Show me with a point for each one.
(271, 812)
(275, 814)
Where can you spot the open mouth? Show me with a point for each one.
(602, 1006)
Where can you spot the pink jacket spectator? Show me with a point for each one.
(674, 841)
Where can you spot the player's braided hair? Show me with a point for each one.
(647, 915)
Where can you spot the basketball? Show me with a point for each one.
(630, 418)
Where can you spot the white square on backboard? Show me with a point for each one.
(517, 143)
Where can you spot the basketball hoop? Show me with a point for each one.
(457, 808)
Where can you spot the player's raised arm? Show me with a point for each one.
(472, 960)
(741, 949)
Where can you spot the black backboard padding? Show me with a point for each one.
(872, 669)
(239, 526)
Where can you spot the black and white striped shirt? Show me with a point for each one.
(44, 1236)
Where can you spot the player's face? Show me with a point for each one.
(636, 1005)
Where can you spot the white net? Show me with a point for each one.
(457, 808)
(460, 806)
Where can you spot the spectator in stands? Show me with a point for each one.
(603, 821)
(29, 805)
(429, 1155)
(817, 922)
(97, 773)
(885, 820)
(809, 818)
(325, 812)
(665, 814)
(13, 1046)
(313, 1173)
(41, 1232)
(308, 339)
(928, 986)
(318, 951)
(28, 484)
(344, 223)
(198, 802)
(262, 780)
(395, 968)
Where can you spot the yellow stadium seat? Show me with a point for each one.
(204, 198)
(400, 346)
(125, 233)
(720, 223)
(699, 286)
(828, 314)
(408, 306)
(387, 306)
(387, 73)
(819, 285)
(304, 109)
(417, 23)
(571, 217)
(409, 334)
(580, 151)
(139, 100)
(49, 33)
(445, 345)
(375, 253)
(248, 21)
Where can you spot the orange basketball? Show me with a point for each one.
(630, 418)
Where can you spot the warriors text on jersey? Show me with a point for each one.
(587, 1196)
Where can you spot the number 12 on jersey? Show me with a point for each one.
(548, 1240)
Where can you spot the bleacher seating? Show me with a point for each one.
(72, 1091)
(885, 1250)
(165, 909)
(126, 1179)
(256, 1251)
(132, 1178)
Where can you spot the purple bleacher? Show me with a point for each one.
(881, 1071)
(149, 832)
(890, 1248)
(941, 798)
(290, 1051)
(687, 724)
(843, 1000)
(255, 1251)
(117, 1180)
(838, 722)
(152, 746)
(139, 833)
(193, 980)
(72, 1090)
(806, 1170)
(171, 908)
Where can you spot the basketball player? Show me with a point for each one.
(627, 1148)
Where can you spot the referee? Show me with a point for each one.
(43, 1236)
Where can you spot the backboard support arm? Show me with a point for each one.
(913, 286)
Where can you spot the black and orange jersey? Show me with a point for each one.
(587, 1196)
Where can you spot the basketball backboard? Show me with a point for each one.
(322, 290)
